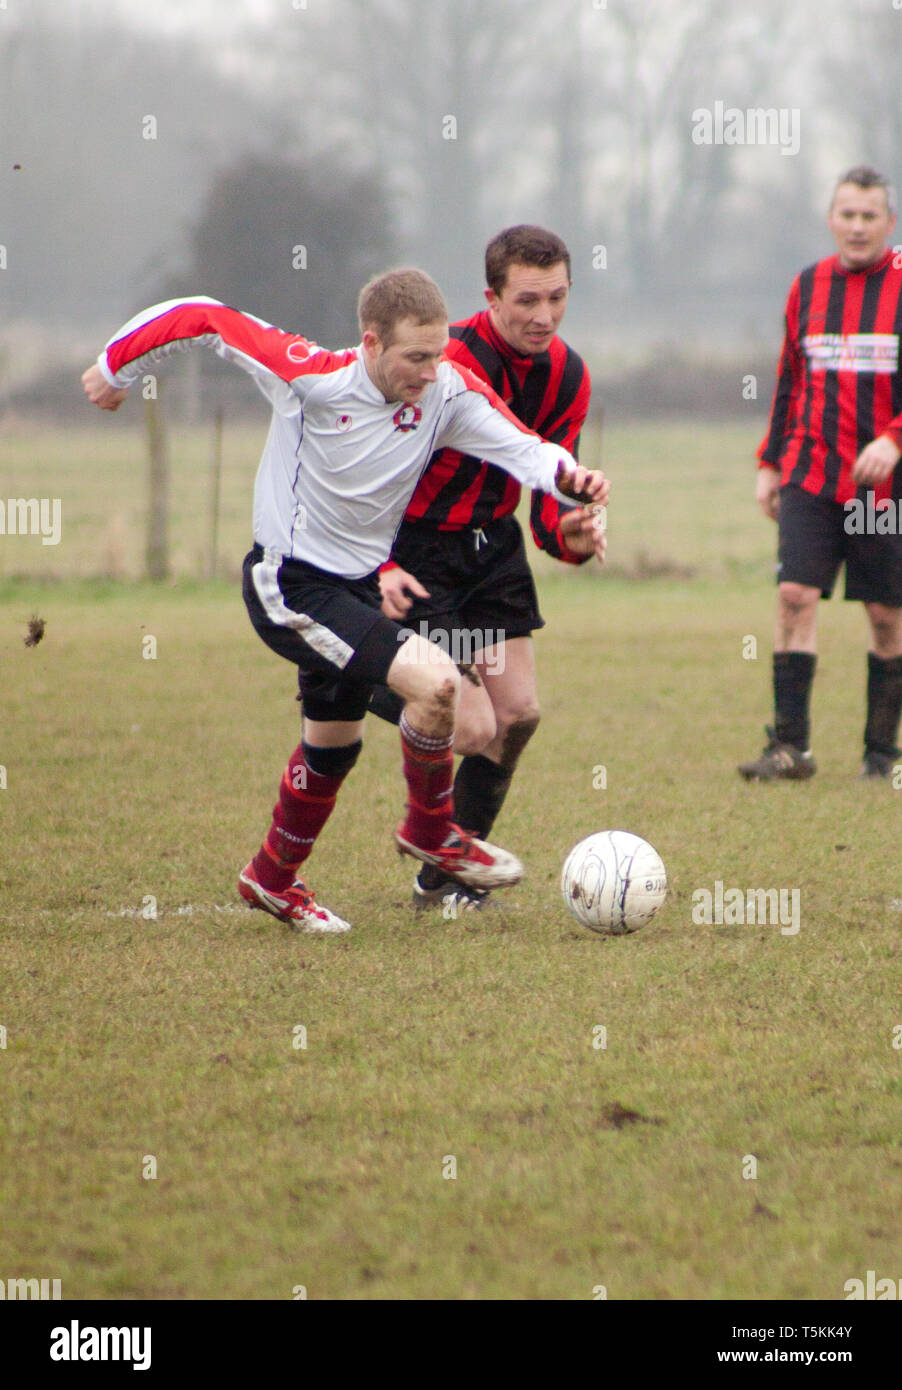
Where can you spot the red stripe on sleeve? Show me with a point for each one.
(286, 355)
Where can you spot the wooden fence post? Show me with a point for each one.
(157, 555)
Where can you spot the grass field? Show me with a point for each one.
(137, 786)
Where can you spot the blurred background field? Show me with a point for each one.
(682, 500)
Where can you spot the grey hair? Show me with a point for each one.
(863, 176)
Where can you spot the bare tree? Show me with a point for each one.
(291, 243)
(429, 96)
(860, 86)
(108, 140)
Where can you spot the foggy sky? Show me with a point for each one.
(571, 113)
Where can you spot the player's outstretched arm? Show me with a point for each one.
(99, 391)
(270, 356)
(787, 393)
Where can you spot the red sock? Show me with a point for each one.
(305, 804)
(429, 773)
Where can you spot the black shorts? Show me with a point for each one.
(480, 585)
(332, 628)
(814, 542)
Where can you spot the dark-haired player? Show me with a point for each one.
(829, 461)
(350, 434)
(458, 569)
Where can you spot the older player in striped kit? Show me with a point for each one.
(835, 438)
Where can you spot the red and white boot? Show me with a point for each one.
(475, 863)
(295, 904)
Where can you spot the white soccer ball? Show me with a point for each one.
(613, 882)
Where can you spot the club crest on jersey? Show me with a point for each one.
(408, 417)
(342, 423)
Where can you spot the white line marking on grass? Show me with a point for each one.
(184, 911)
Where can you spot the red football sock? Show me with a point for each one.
(305, 803)
(429, 773)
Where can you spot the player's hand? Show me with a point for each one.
(398, 590)
(876, 461)
(582, 484)
(99, 391)
(767, 491)
(584, 531)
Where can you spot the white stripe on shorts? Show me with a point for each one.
(322, 639)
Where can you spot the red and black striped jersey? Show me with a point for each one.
(839, 383)
(549, 393)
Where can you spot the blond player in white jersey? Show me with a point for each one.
(350, 435)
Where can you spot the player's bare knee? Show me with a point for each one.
(515, 736)
(435, 711)
(423, 672)
(886, 626)
(797, 600)
(518, 721)
(446, 689)
(437, 689)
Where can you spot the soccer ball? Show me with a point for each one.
(613, 882)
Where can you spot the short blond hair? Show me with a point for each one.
(399, 294)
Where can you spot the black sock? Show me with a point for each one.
(884, 704)
(479, 791)
(430, 876)
(793, 676)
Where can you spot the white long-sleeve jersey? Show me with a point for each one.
(340, 462)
